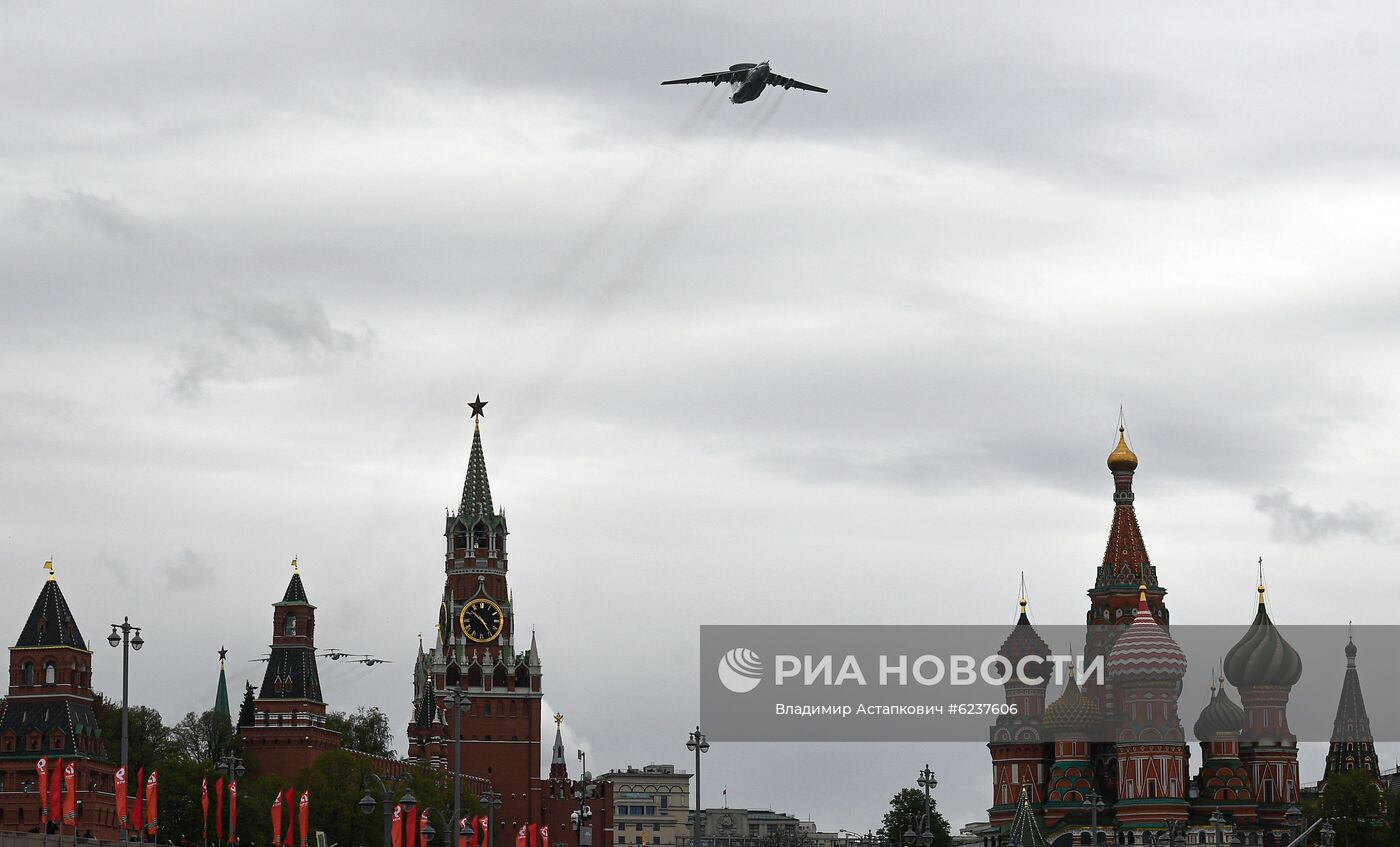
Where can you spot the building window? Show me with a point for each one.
(50, 673)
(28, 673)
(289, 624)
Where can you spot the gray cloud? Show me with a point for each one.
(1305, 524)
(101, 214)
(243, 339)
(189, 571)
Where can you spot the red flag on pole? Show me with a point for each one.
(204, 804)
(136, 819)
(396, 827)
(152, 791)
(305, 816)
(534, 835)
(56, 791)
(70, 803)
(290, 804)
(410, 830)
(484, 837)
(219, 809)
(232, 811)
(120, 782)
(277, 819)
(522, 837)
(466, 833)
(544, 836)
(41, 768)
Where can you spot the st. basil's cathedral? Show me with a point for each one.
(1114, 757)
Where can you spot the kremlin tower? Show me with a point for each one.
(1352, 744)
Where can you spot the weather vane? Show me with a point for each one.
(558, 719)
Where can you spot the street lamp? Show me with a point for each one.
(231, 765)
(583, 792)
(1095, 804)
(697, 745)
(492, 801)
(127, 636)
(1327, 834)
(1293, 816)
(1217, 820)
(458, 698)
(367, 802)
(927, 781)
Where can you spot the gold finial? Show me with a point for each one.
(558, 719)
(295, 569)
(48, 566)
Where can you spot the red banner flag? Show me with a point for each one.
(483, 831)
(396, 827)
(41, 768)
(136, 819)
(120, 782)
(305, 816)
(233, 812)
(56, 791)
(534, 835)
(522, 837)
(219, 809)
(204, 804)
(70, 802)
(466, 833)
(410, 830)
(544, 836)
(152, 819)
(290, 804)
(277, 819)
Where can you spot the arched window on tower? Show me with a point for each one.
(50, 672)
(289, 624)
(459, 539)
(483, 539)
(28, 673)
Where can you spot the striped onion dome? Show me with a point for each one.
(1220, 716)
(1263, 657)
(1145, 651)
(1072, 713)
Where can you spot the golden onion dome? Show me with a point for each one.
(1122, 458)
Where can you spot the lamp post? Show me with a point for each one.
(129, 637)
(1173, 836)
(582, 793)
(1217, 820)
(429, 831)
(386, 793)
(697, 745)
(232, 766)
(492, 801)
(460, 703)
(1095, 804)
(927, 781)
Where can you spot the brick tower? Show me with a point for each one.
(475, 649)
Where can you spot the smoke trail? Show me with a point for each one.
(554, 279)
(630, 273)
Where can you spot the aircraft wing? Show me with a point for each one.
(789, 82)
(715, 78)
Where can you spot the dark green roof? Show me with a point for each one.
(50, 623)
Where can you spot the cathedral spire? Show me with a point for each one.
(476, 489)
(1125, 561)
(1352, 744)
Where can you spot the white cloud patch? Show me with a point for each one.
(243, 339)
(1306, 524)
(189, 571)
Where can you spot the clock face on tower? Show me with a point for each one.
(482, 620)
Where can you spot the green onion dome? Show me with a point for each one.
(1263, 657)
(1220, 716)
(1072, 713)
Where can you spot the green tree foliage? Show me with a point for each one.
(1356, 806)
(366, 729)
(149, 738)
(906, 813)
(204, 738)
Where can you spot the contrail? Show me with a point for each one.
(630, 273)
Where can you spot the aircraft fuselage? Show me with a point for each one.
(752, 85)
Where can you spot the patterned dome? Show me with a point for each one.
(1221, 715)
(1262, 657)
(1145, 651)
(1072, 713)
(1024, 641)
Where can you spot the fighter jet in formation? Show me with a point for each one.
(748, 79)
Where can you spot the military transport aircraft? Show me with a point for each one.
(749, 80)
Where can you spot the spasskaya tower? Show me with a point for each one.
(475, 650)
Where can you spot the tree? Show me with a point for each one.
(906, 813)
(366, 730)
(204, 738)
(1354, 802)
(148, 737)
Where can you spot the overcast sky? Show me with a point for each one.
(855, 356)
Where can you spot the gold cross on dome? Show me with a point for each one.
(558, 719)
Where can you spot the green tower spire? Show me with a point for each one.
(221, 698)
